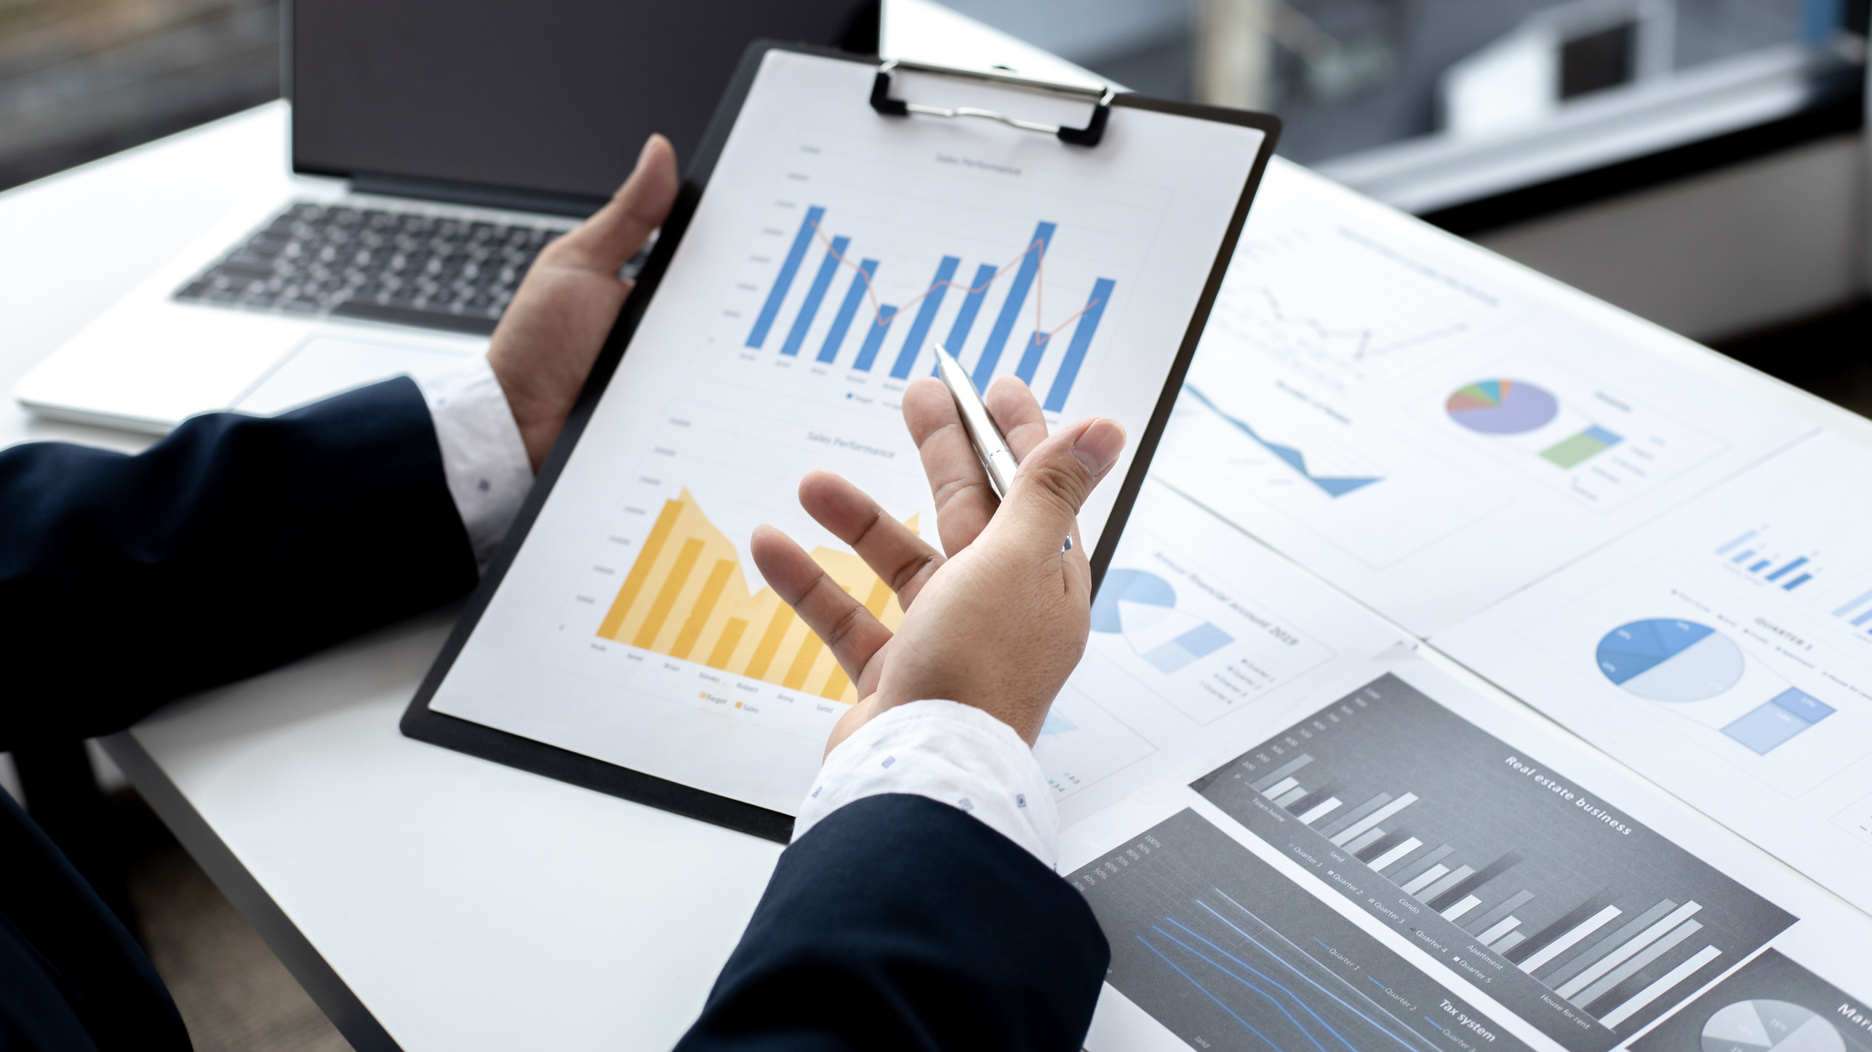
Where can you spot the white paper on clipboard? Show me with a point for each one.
(830, 247)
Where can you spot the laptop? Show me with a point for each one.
(437, 146)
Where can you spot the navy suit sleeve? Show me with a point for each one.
(902, 923)
(234, 545)
(71, 977)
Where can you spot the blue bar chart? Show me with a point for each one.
(1753, 552)
(784, 282)
(833, 301)
(1857, 611)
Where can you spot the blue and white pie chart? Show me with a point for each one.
(1142, 606)
(1664, 659)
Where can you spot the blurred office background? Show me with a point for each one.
(1700, 162)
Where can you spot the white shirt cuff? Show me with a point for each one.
(483, 457)
(949, 752)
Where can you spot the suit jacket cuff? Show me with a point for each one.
(948, 752)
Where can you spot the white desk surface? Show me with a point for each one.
(426, 899)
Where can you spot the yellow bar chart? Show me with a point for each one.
(687, 598)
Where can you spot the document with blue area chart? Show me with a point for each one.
(1427, 427)
(1724, 652)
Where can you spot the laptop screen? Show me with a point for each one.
(540, 103)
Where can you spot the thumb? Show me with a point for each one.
(1056, 478)
(615, 232)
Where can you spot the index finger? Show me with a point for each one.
(964, 499)
(1017, 412)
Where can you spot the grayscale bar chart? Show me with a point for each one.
(1584, 911)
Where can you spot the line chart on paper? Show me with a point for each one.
(1342, 309)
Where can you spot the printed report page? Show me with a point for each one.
(1419, 864)
(1428, 426)
(1725, 653)
(1198, 632)
(830, 249)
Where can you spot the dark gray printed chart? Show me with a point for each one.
(1563, 908)
(1769, 1003)
(1230, 956)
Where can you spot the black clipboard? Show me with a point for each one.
(424, 724)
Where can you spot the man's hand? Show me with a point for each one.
(1003, 620)
(546, 342)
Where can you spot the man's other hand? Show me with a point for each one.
(546, 342)
(1002, 620)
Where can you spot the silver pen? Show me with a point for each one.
(990, 444)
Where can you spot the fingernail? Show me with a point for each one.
(1098, 448)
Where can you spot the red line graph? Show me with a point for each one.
(1363, 348)
(1039, 246)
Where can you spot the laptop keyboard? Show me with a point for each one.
(376, 264)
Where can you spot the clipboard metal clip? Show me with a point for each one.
(1089, 135)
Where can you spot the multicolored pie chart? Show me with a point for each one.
(1502, 407)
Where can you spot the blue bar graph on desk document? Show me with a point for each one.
(1727, 548)
(854, 298)
(1076, 351)
(828, 268)
(874, 338)
(1785, 570)
(971, 306)
(784, 281)
(1011, 307)
(926, 316)
(1854, 605)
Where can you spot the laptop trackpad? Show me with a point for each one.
(325, 365)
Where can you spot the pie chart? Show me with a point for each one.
(1663, 659)
(1142, 594)
(1502, 407)
(1142, 606)
(1756, 1026)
